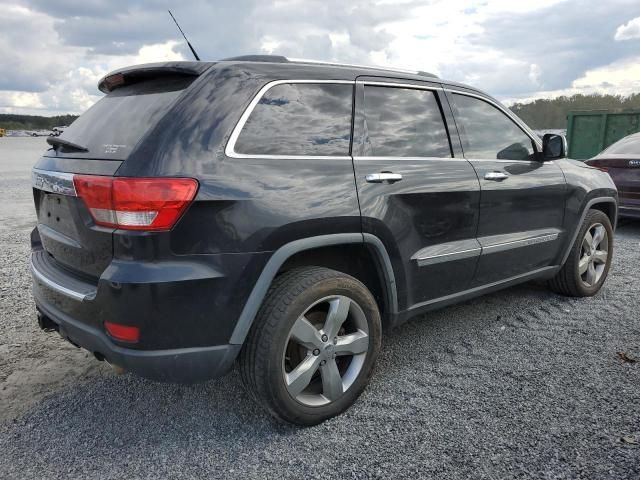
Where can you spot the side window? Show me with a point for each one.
(404, 122)
(300, 119)
(488, 133)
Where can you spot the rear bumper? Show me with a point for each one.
(628, 212)
(181, 365)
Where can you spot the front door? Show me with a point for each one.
(522, 198)
(414, 195)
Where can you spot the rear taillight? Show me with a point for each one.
(135, 203)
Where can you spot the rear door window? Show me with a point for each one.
(404, 122)
(112, 127)
(300, 119)
(487, 133)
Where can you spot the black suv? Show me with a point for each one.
(283, 213)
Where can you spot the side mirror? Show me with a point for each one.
(553, 146)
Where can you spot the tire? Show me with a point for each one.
(572, 280)
(282, 348)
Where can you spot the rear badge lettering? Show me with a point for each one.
(113, 148)
(634, 163)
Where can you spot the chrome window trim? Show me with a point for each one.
(53, 182)
(523, 126)
(230, 151)
(56, 286)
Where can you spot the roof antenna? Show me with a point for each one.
(185, 37)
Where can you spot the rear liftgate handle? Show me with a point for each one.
(383, 177)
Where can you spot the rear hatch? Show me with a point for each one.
(97, 143)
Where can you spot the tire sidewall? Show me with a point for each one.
(339, 285)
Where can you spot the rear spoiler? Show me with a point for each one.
(137, 73)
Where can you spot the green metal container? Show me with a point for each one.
(589, 132)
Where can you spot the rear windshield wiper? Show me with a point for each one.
(59, 142)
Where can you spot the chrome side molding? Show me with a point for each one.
(458, 250)
(447, 252)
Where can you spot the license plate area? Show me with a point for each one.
(55, 213)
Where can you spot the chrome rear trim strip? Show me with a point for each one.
(53, 182)
(57, 287)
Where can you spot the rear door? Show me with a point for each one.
(415, 196)
(96, 143)
(522, 198)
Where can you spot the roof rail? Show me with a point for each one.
(371, 67)
(282, 59)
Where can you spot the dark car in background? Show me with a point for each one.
(622, 161)
(283, 213)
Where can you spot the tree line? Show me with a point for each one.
(12, 121)
(539, 114)
(552, 113)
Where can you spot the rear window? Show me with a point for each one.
(304, 119)
(116, 123)
(627, 146)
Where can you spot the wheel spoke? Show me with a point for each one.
(600, 256)
(306, 334)
(598, 235)
(352, 344)
(586, 243)
(583, 265)
(338, 311)
(300, 377)
(331, 380)
(591, 274)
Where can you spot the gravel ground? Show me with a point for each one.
(522, 383)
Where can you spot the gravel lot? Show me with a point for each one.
(521, 383)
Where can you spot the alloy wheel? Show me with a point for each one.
(593, 255)
(325, 350)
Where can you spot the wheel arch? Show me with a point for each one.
(607, 205)
(289, 251)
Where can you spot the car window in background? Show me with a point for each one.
(487, 133)
(300, 119)
(403, 122)
(627, 146)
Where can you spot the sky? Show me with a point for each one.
(53, 52)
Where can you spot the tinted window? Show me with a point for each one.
(488, 133)
(627, 146)
(299, 119)
(404, 122)
(116, 123)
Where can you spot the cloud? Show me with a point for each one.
(57, 50)
(628, 31)
(620, 77)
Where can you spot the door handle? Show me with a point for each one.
(495, 176)
(383, 177)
